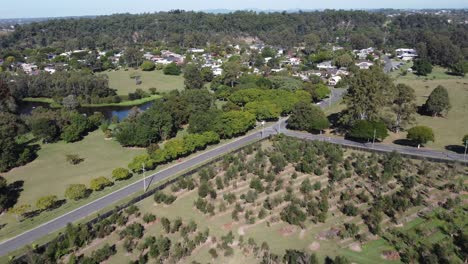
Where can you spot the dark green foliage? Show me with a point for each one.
(369, 92)
(307, 117)
(161, 197)
(293, 215)
(132, 231)
(12, 154)
(366, 130)
(172, 69)
(193, 77)
(438, 102)
(148, 218)
(422, 67)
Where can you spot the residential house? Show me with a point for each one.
(326, 65)
(333, 81)
(406, 54)
(364, 65)
(29, 68)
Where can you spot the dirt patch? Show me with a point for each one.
(287, 230)
(355, 247)
(328, 234)
(391, 255)
(241, 231)
(228, 226)
(314, 246)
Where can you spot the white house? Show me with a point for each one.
(334, 80)
(50, 69)
(326, 65)
(217, 71)
(364, 65)
(406, 54)
(29, 68)
(194, 50)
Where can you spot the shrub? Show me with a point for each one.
(172, 69)
(46, 202)
(148, 218)
(73, 159)
(148, 66)
(161, 197)
(76, 192)
(120, 174)
(99, 183)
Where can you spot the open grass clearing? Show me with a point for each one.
(121, 81)
(450, 129)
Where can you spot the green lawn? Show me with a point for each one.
(121, 81)
(450, 129)
(50, 173)
(438, 73)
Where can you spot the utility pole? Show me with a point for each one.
(144, 178)
(373, 140)
(263, 129)
(466, 148)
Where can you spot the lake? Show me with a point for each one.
(108, 111)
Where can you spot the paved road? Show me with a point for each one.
(388, 64)
(336, 95)
(99, 204)
(426, 153)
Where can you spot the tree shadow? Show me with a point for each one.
(456, 148)
(405, 142)
(13, 190)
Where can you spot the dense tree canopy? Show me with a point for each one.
(307, 117)
(369, 92)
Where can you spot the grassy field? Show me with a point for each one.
(278, 234)
(121, 81)
(450, 129)
(438, 73)
(50, 173)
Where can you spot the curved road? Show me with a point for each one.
(279, 127)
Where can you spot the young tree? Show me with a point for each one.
(308, 117)
(438, 101)
(46, 202)
(193, 77)
(420, 135)
(404, 106)
(465, 140)
(76, 192)
(99, 183)
(120, 174)
(20, 210)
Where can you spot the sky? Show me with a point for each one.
(59, 8)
